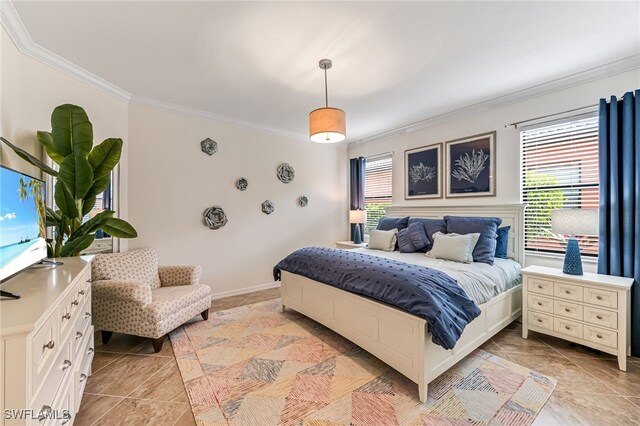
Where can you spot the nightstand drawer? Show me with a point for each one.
(608, 299)
(601, 336)
(567, 309)
(536, 285)
(541, 320)
(569, 327)
(601, 317)
(568, 291)
(540, 303)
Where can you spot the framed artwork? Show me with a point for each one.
(423, 172)
(471, 166)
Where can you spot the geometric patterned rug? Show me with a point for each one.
(255, 366)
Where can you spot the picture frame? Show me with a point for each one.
(471, 166)
(423, 171)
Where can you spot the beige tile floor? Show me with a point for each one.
(131, 385)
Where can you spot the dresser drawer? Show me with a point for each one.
(45, 342)
(536, 285)
(608, 299)
(60, 374)
(601, 336)
(601, 317)
(64, 405)
(568, 291)
(540, 303)
(568, 327)
(567, 309)
(540, 320)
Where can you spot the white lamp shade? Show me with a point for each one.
(357, 216)
(575, 221)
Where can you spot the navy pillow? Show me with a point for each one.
(502, 242)
(485, 249)
(431, 226)
(388, 223)
(412, 238)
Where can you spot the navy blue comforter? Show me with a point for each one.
(424, 292)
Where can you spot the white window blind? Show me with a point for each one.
(377, 189)
(559, 170)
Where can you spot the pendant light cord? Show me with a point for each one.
(326, 91)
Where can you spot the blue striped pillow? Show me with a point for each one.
(431, 226)
(485, 249)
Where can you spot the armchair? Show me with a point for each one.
(133, 295)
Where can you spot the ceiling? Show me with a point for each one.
(395, 63)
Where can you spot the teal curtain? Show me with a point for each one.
(619, 164)
(356, 186)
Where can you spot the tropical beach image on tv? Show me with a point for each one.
(22, 221)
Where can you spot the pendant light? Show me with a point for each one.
(327, 125)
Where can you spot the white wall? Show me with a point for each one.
(507, 141)
(172, 182)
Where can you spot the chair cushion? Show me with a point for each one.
(166, 301)
(139, 265)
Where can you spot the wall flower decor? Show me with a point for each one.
(303, 201)
(285, 173)
(423, 172)
(268, 207)
(209, 146)
(471, 166)
(242, 184)
(215, 217)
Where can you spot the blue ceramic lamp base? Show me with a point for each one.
(357, 236)
(572, 260)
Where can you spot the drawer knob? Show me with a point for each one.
(87, 314)
(49, 345)
(66, 364)
(539, 303)
(90, 350)
(539, 286)
(89, 280)
(599, 336)
(75, 302)
(83, 377)
(45, 413)
(567, 310)
(539, 319)
(599, 297)
(568, 291)
(67, 316)
(81, 292)
(78, 334)
(567, 327)
(599, 317)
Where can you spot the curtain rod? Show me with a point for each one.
(517, 123)
(381, 155)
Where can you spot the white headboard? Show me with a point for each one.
(511, 215)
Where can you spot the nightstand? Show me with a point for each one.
(348, 245)
(593, 310)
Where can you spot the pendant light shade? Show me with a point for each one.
(327, 125)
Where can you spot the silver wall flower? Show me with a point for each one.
(242, 184)
(215, 217)
(469, 167)
(303, 201)
(285, 173)
(268, 207)
(209, 146)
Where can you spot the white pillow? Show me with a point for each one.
(454, 247)
(382, 240)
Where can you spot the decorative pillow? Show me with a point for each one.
(412, 238)
(388, 223)
(487, 227)
(136, 265)
(502, 242)
(456, 247)
(382, 240)
(431, 226)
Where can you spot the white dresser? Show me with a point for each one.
(46, 343)
(591, 309)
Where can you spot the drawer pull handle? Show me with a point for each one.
(89, 280)
(567, 327)
(568, 291)
(67, 316)
(599, 336)
(539, 319)
(45, 413)
(66, 364)
(90, 350)
(539, 303)
(78, 334)
(539, 286)
(567, 310)
(599, 297)
(49, 345)
(75, 302)
(87, 314)
(599, 317)
(83, 377)
(81, 292)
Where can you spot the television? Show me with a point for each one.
(22, 222)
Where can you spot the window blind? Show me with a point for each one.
(559, 170)
(377, 189)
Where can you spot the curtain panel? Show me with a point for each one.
(356, 187)
(619, 169)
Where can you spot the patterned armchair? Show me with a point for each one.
(133, 295)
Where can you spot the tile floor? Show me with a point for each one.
(131, 385)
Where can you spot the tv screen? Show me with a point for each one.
(22, 221)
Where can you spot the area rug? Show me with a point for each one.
(255, 366)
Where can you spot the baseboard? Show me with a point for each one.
(245, 290)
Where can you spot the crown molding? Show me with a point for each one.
(18, 33)
(617, 67)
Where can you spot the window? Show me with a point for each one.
(559, 170)
(377, 189)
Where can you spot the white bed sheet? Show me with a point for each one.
(480, 281)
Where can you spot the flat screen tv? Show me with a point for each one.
(22, 222)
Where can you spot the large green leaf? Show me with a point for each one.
(30, 158)
(47, 141)
(87, 204)
(95, 222)
(104, 157)
(119, 228)
(52, 218)
(77, 175)
(71, 130)
(65, 201)
(76, 245)
(99, 185)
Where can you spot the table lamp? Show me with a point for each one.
(357, 217)
(574, 222)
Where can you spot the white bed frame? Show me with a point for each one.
(396, 337)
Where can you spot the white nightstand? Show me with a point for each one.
(592, 309)
(348, 245)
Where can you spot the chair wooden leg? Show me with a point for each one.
(106, 335)
(157, 344)
(205, 314)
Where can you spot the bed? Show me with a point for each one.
(401, 339)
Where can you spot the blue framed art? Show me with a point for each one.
(423, 172)
(471, 166)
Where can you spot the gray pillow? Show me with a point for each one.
(382, 240)
(456, 247)
(487, 227)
